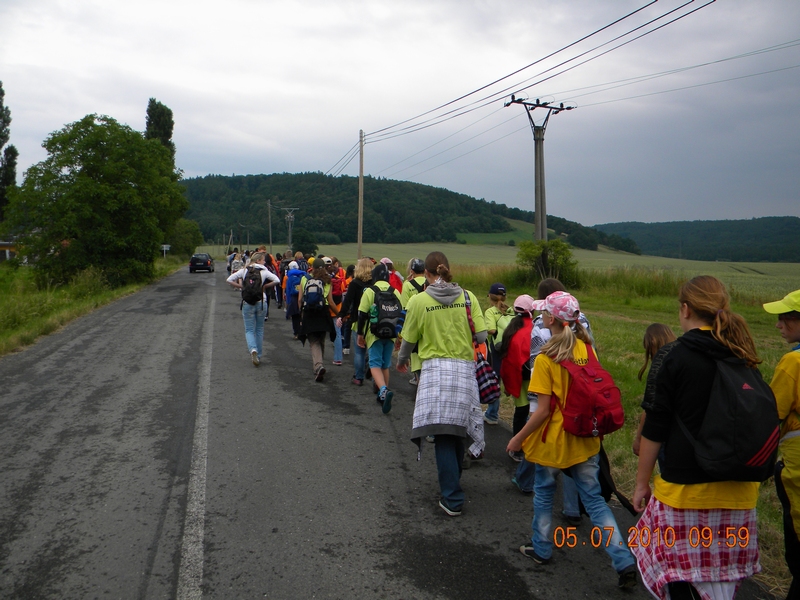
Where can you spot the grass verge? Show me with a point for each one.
(27, 313)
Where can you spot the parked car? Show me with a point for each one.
(201, 262)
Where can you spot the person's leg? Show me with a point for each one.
(359, 359)
(492, 414)
(337, 347)
(525, 476)
(542, 524)
(260, 313)
(585, 476)
(266, 296)
(347, 328)
(569, 490)
(449, 451)
(314, 340)
(376, 363)
(248, 316)
(296, 325)
(791, 543)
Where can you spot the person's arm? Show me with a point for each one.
(331, 305)
(235, 280)
(272, 280)
(536, 419)
(637, 438)
(300, 295)
(648, 453)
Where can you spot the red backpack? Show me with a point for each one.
(593, 406)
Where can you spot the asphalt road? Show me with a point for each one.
(142, 455)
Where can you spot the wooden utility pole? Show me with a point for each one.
(360, 188)
(269, 219)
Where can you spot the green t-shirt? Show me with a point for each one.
(442, 331)
(497, 321)
(367, 300)
(409, 290)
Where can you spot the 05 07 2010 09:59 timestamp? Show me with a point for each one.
(697, 536)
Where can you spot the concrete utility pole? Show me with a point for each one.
(540, 208)
(360, 189)
(289, 223)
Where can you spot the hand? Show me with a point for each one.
(402, 367)
(637, 440)
(361, 342)
(641, 497)
(514, 445)
(339, 322)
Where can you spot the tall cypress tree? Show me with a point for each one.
(8, 161)
(160, 124)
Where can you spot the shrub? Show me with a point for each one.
(548, 259)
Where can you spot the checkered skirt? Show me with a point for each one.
(687, 559)
(446, 393)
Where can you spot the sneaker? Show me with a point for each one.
(254, 357)
(531, 553)
(345, 351)
(489, 421)
(449, 511)
(627, 578)
(266, 319)
(413, 381)
(320, 374)
(355, 381)
(571, 519)
(430, 439)
(386, 399)
(516, 456)
(338, 363)
(519, 487)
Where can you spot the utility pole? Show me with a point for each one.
(289, 223)
(269, 219)
(540, 209)
(360, 189)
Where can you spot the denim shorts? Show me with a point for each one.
(380, 354)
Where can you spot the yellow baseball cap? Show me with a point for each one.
(790, 302)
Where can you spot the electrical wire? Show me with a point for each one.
(346, 154)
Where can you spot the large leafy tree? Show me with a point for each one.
(185, 237)
(104, 197)
(159, 125)
(8, 159)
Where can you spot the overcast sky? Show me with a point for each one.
(261, 86)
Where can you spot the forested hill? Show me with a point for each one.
(394, 211)
(770, 239)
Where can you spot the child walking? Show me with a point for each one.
(497, 318)
(552, 449)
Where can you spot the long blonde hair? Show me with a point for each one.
(363, 269)
(707, 297)
(560, 346)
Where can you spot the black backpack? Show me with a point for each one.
(386, 314)
(738, 440)
(251, 286)
(314, 296)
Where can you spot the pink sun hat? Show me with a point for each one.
(524, 304)
(561, 305)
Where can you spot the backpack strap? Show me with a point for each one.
(468, 305)
(415, 285)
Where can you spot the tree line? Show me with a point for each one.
(395, 212)
(764, 239)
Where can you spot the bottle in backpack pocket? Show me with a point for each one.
(386, 315)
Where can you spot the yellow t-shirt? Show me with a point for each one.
(409, 290)
(442, 330)
(559, 449)
(786, 386)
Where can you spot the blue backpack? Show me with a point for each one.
(293, 281)
(314, 296)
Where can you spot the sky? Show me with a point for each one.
(697, 120)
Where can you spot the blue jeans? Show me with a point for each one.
(347, 330)
(492, 410)
(253, 316)
(337, 345)
(359, 358)
(526, 478)
(449, 454)
(525, 475)
(585, 477)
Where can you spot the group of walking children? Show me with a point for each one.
(710, 422)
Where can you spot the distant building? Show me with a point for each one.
(8, 250)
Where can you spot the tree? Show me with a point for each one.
(304, 241)
(104, 197)
(159, 125)
(8, 161)
(548, 259)
(184, 238)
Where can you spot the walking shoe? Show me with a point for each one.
(345, 350)
(489, 421)
(531, 553)
(266, 319)
(430, 439)
(338, 363)
(320, 374)
(413, 380)
(627, 578)
(355, 381)
(571, 519)
(519, 487)
(449, 511)
(516, 456)
(254, 356)
(386, 398)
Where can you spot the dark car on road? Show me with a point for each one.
(201, 262)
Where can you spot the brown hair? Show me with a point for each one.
(320, 272)
(548, 286)
(436, 263)
(708, 299)
(655, 336)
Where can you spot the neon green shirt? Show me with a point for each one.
(409, 290)
(442, 331)
(367, 300)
